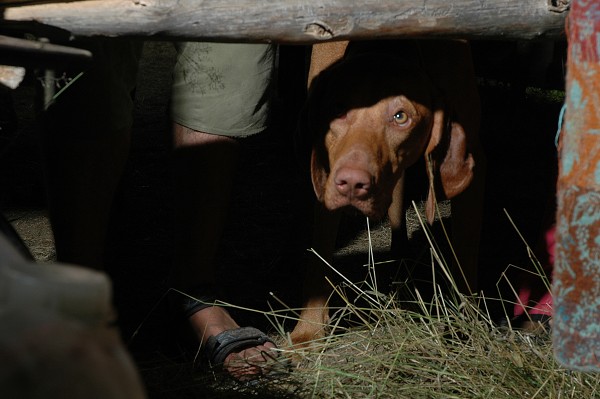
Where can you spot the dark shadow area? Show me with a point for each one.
(264, 247)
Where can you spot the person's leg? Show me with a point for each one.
(82, 177)
(86, 137)
(219, 92)
(201, 204)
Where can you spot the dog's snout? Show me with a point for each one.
(353, 183)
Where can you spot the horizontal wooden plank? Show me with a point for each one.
(296, 21)
(35, 54)
(22, 2)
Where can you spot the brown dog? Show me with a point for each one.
(371, 115)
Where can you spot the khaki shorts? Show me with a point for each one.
(223, 88)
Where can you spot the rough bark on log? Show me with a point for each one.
(35, 54)
(298, 21)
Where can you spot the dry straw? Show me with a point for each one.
(444, 348)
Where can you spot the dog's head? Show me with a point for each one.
(368, 118)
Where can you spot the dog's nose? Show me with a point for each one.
(353, 183)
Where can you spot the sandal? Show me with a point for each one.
(272, 365)
(218, 347)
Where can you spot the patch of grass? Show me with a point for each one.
(444, 348)
(448, 349)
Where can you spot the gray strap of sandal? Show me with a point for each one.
(218, 347)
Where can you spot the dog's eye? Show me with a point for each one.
(401, 118)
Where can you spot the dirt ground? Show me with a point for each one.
(261, 252)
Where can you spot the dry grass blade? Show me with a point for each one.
(448, 349)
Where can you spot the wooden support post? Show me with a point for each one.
(576, 284)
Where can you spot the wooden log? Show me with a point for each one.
(35, 54)
(300, 21)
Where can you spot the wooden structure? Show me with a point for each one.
(294, 21)
(576, 284)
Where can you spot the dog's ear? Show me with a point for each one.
(450, 163)
(310, 135)
(318, 173)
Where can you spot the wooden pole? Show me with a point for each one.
(296, 21)
(576, 283)
(35, 54)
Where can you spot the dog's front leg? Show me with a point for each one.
(314, 316)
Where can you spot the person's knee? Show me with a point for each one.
(187, 137)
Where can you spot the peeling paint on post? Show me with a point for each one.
(576, 284)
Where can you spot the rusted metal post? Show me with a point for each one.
(576, 285)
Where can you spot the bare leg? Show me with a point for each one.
(205, 165)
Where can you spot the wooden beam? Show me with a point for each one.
(298, 21)
(35, 54)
